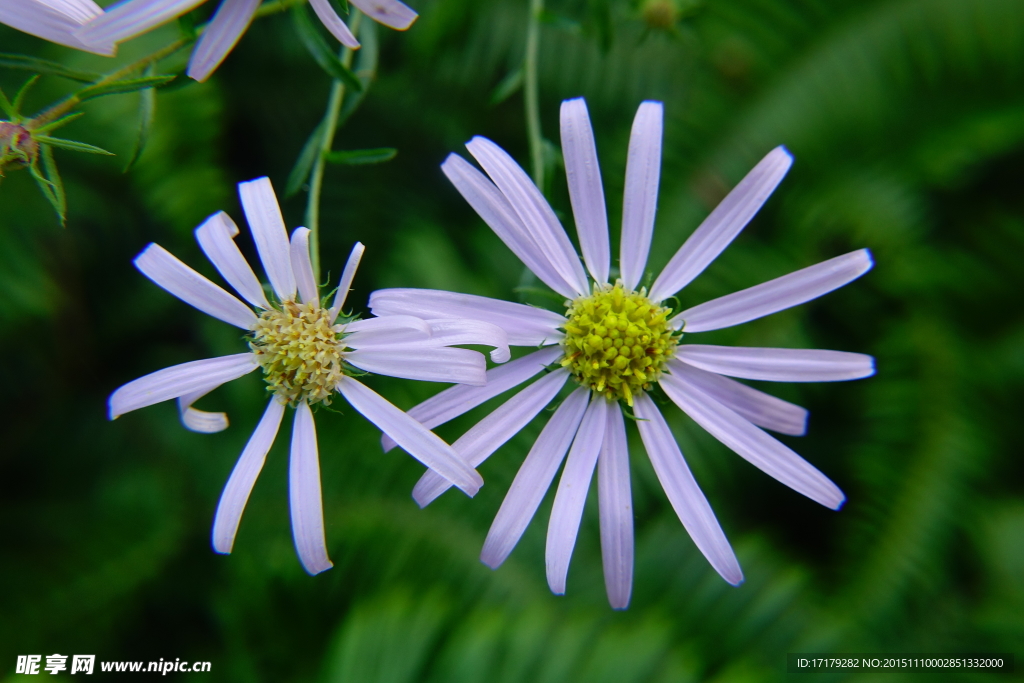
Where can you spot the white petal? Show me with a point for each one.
(264, 215)
(133, 18)
(220, 37)
(640, 200)
(533, 479)
(720, 228)
(683, 492)
(585, 190)
(302, 267)
(243, 478)
(392, 329)
(333, 23)
(491, 205)
(776, 295)
(391, 13)
(778, 365)
(416, 439)
(760, 408)
(216, 237)
(525, 325)
(567, 511)
(751, 443)
(200, 420)
(179, 380)
(616, 508)
(456, 332)
(160, 266)
(347, 275)
(490, 433)
(460, 399)
(423, 363)
(304, 497)
(533, 210)
(54, 21)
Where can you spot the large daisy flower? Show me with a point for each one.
(615, 342)
(306, 356)
(132, 18)
(55, 20)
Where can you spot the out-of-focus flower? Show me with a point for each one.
(306, 356)
(134, 17)
(616, 341)
(55, 20)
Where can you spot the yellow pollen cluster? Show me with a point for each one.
(616, 342)
(300, 352)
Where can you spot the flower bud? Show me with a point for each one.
(17, 146)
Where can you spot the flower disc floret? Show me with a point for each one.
(300, 351)
(617, 342)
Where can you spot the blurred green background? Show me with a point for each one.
(906, 118)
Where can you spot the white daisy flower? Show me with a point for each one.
(132, 18)
(306, 356)
(55, 20)
(616, 342)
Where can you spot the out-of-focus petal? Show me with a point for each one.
(416, 439)
(762, 409)
(640, 201)
(216, 237)
(533, 210)
(778, 365)
(243, 478)
(460, 399)
(304, 496)
(220, 37)
(178, 380)
(423, 363)
(333, 23)
(776, 295)
(302, 267)
(567, 511)
(616, 511)
(683, 492)
(264, 215)
(491, 205)
(585, 190)
(164, 269)
(720, 228)
(525, 325)
(391, 13)
(132, 18)
(533, 479)
(752, 444)
(490, 433)
(347, 275)
(55, 21)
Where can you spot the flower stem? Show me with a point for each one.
(530, 93)
(330, 126)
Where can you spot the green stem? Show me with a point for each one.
(330, 126)
(530, 93)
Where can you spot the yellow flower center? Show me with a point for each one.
(300, 352)
(616, 342)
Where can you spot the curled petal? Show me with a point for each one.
(216, 237)
(302, 267)
(197, 420)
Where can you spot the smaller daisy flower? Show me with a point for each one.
(616, 341)
(132, 18)
(307, 356)
(55, 20)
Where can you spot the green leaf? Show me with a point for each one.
(8, 108)
(304, 164)
(360, 157)
(508, 87)
(72, 145)
(50, 183)
(45, 67)
(321, 51)
(59, 123)
(19, 99)
(147, 110)
(124, 86)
